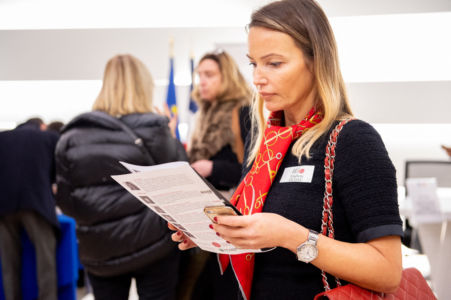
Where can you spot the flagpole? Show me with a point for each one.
(192, 104)
(191, 59)
(171, 47)
(171, 101)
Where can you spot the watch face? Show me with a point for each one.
(307, 252)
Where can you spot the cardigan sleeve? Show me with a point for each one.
(365, 182)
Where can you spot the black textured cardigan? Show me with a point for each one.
(365, 207)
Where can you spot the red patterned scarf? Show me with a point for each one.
(250, 195)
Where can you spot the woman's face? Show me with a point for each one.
(210, 79)
(281, 74)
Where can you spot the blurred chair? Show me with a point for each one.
(435, 239)
(441, 170)
(67, 264)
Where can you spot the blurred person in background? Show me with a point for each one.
(119, 237)
(36, 122)
(27, 171)
(56, 126)
(216, 149)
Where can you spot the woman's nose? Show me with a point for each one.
(202, 82)
(259, 79)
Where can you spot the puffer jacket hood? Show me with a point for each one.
(116, 232)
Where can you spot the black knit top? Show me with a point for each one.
(365, 207)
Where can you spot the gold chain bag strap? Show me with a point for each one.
(413, 285)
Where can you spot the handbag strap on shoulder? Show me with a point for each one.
(136, 140)
(327, 225)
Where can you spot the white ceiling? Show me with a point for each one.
(398, 47)
(52, 53)
(64, 14)
(395, 57)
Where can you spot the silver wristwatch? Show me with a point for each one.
(307, 251)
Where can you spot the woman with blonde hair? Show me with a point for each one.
(216, 149)
(284, 198)
(119, 238)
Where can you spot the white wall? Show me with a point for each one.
(395, 58)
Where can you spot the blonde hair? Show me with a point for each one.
(307, 24)
(127, 87)
(233, 84)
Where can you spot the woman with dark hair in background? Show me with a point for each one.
(119, 237)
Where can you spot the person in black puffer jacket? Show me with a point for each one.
(119, 238)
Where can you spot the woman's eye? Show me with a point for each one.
(275, 64)
(252, 64)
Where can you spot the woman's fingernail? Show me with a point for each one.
(211, 226)
(179, 233)
(215, 219)
(217, 234)
(185, 241)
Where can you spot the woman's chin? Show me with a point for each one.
(270, 107)
(208, 98)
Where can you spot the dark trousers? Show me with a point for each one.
(157, 281)
(211, 285)
(42, 236)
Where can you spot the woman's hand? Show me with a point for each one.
(261, 230)
(204, 167)
(185, 242)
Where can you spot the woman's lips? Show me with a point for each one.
(266, 95)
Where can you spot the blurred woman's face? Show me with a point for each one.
(281, 74)
(210, 79)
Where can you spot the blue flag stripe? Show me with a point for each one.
(192, 103)
(171, 99)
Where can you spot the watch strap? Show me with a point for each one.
(313, 236)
